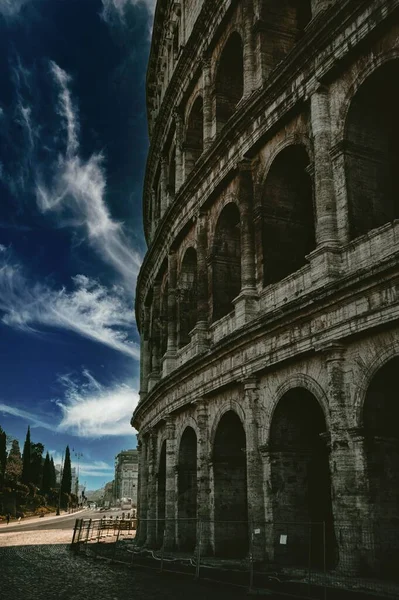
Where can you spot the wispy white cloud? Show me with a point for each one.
(26, 415)
(93, 410)
(119, 7)
(88, 309)
(11, 8)
(78, 189)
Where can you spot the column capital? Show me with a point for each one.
(244, 164)
(332, 350)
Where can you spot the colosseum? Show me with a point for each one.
(268, 300)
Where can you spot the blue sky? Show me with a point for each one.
(73, 144)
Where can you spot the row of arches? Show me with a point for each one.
(302, 477)
(370, 152)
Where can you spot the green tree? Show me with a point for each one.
(46, 481)
(66, 481)
(14, 463)
(3, 455)
(36, 463)
(26, 465)
(53, 480)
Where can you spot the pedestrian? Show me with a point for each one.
(8, 518)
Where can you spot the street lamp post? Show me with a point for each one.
(78, 456)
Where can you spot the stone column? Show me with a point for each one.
(266, 458)
(145, 351)
(142, 501)
(155, 341)
(255, 492)
(207, 100)
(169, 360)
(200, 332)
(170, 490)
(246, 304)
(151, 490)
(164, 184)
(325, 260)
(179, 149)
(203, 478)
(249, 58)
(347, 467)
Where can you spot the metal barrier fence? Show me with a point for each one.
(309, 560)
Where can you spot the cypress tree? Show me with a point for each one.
(3, 455)
(14, 462)
(66, 481)
(36, 463)
(46, 484)
(26, 468)
(53, 479)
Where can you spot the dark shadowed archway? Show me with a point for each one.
(187, 490)
(230, 487)
(194, 135)
(381, 434)
(372, 151)
(300, 479)
(229, 85)
(226, 263)
(288, 222)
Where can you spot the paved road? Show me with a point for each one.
(36, 564)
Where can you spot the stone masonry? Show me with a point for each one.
(268, 301)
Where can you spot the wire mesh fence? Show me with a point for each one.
(310, 560)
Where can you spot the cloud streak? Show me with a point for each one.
(11, 8)
(78, 188)
(92, 410)
(23, 414)
(88, 309)
(119, 7)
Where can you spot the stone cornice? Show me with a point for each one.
(259, 101)
(306, 310)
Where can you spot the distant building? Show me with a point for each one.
(126, 475)
(109, 494)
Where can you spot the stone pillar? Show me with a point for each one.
(145, 351)
(155, 340)
(266, 458)
(170, 491)
(179, 149)
(347, 467)
(255, 492)
(246, 304)
(164, 185)
(203, 478)
(207, 100)
(169, 359)
(151, 490)
(200, 332)
(249, 57)
(142, 500)
(325, 260)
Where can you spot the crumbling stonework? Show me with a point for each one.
(268, 300)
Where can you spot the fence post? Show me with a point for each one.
(199, 541)
(88, 531)
(116, 543)
(80, 529)
(74, 532)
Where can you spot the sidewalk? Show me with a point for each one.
(48, 517)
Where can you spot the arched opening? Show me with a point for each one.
(187, 296)
(226, 260)
(300, 481)
(163, 318)
(194, 135)
(230, 487)
(229, 85)
(284, 22)
(372, 152)
(172, 174)
(381, 434)
(288, 223)
(187, 490)
(161, 495)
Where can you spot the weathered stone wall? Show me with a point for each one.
(268, 299)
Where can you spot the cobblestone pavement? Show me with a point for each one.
(39, 566)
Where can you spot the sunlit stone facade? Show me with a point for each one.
(268, 299)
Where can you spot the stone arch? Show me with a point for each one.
(194, 141)
(226, 261)
(300, 479)
(372, 151)
(229, 79)
(188, 293)
(161, 494)
(230, 487)
(187, 490)
(381, 443)
(288, 232)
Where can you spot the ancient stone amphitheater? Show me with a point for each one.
(268, 301)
